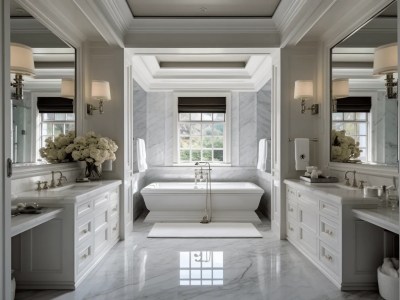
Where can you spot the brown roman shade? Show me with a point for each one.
(354, 104)
(201, 104)
(55, 105)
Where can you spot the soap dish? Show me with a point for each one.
(320, 179)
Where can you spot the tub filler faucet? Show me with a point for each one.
(204, 175)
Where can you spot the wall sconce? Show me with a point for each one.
(101, 92)
(67, 88)
(385, 62)
(340, 89)
(21, 63)
(304, 89)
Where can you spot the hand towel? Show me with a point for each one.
(302, 153)
(262, 155)
(388, 268)
(141, 155)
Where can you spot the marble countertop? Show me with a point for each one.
(382, 217)
(334, 191)
(25, 222)
(71, 193)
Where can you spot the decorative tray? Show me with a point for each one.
(320, 179)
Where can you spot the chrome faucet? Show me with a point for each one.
(347, 183)
(59, 183)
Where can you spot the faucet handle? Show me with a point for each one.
(347, 183)
(45, 186)
(361, 185)
(39, 187)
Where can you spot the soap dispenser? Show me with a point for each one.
(392, 197)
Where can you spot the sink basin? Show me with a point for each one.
(336, 186)
(74, 187)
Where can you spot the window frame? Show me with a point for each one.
(227, 132)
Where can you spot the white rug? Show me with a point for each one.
(210, 230)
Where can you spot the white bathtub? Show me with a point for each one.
(185, 202)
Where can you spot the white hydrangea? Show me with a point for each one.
(343, 147)
(92, 148)
(56, 151)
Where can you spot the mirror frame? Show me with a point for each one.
(382, 170)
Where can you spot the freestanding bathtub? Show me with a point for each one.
(185, 201)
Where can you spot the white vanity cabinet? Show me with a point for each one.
(62, 252)
(320, 224)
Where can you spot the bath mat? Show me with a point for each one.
(210, 230)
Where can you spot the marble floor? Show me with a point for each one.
(167, 269)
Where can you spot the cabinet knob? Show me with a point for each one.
(114, 209)
(330, 232)
(114, 228)
(84, 256)
(291, 229)
(84, 231)
(328, 257)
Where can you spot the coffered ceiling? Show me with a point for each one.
(203, 8)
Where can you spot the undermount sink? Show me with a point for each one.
(336, 186)
(73, 187)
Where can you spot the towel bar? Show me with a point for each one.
(311, 140)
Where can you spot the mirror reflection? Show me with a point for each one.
(43, 88)
(364, 93)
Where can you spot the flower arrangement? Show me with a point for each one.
(344, 147)
(55, 151)
(92, 148)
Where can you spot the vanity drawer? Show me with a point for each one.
(329, 208)
(307, 200)
(292, 209)
(308, 239)
(308, 217)
(114, 209)
(329, 258)
(101, 200)
(84, 208)
(101, 218)
(84, 228)
(114, 229)
(291, 229)
(329, 231)
(102, 236)
(84, 256)
(290, 192)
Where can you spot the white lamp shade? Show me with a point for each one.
(21, 60)
(67, 88)
(385, 59)
(340, 88)
(303, 89)
(101, 90)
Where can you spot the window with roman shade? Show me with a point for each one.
(201, 129)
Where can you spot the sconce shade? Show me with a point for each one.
(101, 90)
(385, 59)
(303, 89)
(67, 88)
(340, 88)
(21, 60)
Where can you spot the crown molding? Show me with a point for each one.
(101, 19)
(120, 13)
(295, 19)
(364, 10)
(49, 14)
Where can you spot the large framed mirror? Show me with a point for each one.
(45, 106)
(364, 109)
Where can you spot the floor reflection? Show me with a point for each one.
(201, 268)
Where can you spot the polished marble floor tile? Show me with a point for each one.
(167, 269)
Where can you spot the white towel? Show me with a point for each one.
(262, 154)
(302, 153)
(141, 155)
(388, 268)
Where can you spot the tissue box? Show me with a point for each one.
(388, 286)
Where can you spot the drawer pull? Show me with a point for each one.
(84, 256)
(114, 209)
(84, 231)
(328, 257)
(114, 228)
(290, 209)
(291, 228)
(299, 195)
(330, 232)
(323, 206)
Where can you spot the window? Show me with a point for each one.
(201, 137)
(53, 124)
(202, 128)
(356, 126)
